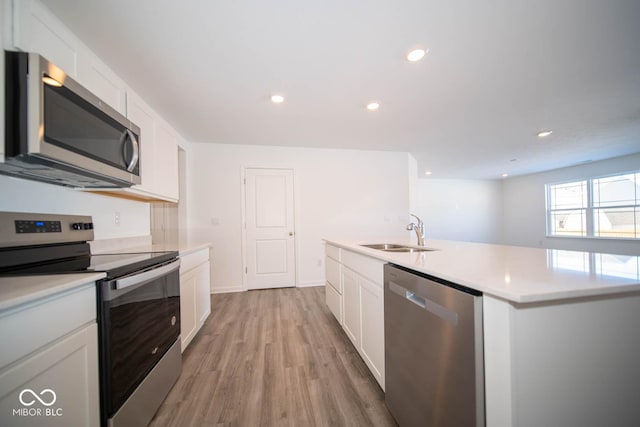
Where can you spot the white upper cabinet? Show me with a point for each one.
(166, 160)
(143, 116)
(102, 82)
(158, 152)
(32, 27)
(36, 29)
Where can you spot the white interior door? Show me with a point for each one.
(269, 222)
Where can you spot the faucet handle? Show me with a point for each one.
(416, 217)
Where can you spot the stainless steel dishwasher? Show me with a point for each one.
(433, 351)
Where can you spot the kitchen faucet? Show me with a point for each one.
(418, 228)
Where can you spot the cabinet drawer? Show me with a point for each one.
(44, 321)
(333, 252)
(194, 259)
(332, 269)
(334, 302)
(370, 268)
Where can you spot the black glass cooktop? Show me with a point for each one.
(76, 258)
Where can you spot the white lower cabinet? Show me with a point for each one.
(187, 308)
(203, 293)
(49, 367)
(333, 287)
(372, 327)
(362, 302)
(63, 376)
(351, 305)
(195, 294)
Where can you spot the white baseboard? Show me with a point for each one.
(227, 290)
(230, 289)
(309, 284)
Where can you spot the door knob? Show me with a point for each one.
(291, 233)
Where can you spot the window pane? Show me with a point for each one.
(568, 195)
(617, 190)
(569, 223)
(616, 222)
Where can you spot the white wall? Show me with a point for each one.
(17, 195)
(338, 193)
(467, 210)
(525, 208)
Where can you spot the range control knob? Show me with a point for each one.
(87, 226)
(76, 226)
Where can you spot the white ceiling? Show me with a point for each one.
(498, 71)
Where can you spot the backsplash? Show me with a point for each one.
(113, 218)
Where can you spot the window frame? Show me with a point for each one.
(589, 230)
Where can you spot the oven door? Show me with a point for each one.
(139, 322)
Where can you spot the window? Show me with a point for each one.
(606, 207)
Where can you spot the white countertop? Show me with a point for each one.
(183, 248)
(19, 290)
(518, 274)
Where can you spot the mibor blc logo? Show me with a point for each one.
(37, 404)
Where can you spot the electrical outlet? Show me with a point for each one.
(116, 219)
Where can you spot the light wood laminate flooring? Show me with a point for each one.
(273, 357)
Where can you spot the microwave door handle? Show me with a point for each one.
(135, 148)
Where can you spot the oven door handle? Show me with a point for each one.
(146, 276)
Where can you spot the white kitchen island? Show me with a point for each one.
(560, 328)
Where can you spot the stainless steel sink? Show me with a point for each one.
(392, 247)
(384, 246)
(406, 249)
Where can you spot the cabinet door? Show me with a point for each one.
(94, 75)
(188, 321)
(166, 161)
(334, 301)
(36, 29)
(144, 117)
(158, 151)
(332, 272)
(372, 316)
(63, 376)
(203, 293)
(351, 301)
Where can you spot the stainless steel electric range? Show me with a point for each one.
(138, 306)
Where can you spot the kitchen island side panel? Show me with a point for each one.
(569, 363)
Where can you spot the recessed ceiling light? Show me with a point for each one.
(544, 133)
(416, 55)
(504, 175)
(373, 106)
(277, 99)
(427, 173)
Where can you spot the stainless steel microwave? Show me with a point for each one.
(59, 132)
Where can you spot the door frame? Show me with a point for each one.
(243, 219)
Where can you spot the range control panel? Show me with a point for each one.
(23, 229)
(25, 226)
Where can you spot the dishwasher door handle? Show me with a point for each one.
(416, 299)
(425, 303)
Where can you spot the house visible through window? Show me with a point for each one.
(607, 207)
